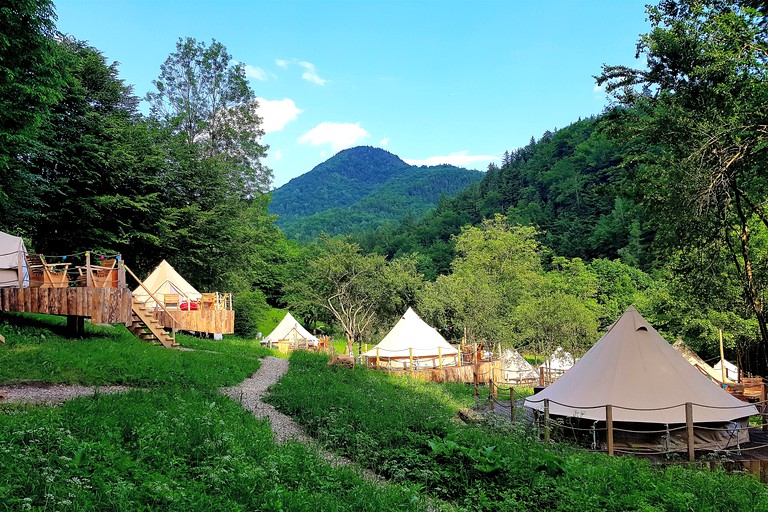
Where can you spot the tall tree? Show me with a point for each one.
(698, 127)
(204, 96)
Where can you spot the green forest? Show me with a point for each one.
(660, 201)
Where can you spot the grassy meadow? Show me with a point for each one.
(173, 444)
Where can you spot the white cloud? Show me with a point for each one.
(276, 114)
(459, 159)
(256, 73)
(384, 142)
(310, 74)
(282, 63)
(278, 154)
(338, 135)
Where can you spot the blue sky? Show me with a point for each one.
(431, 81)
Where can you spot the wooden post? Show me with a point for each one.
(120, 272)
(410, 358)
(762, 401)
(609, 426)
(377, 358)
(477, 391)
(689, 427)
(512, 404)
(440, 356)
(541, 376)
(88, 276)
(490, 393)
(546, 420)
(21, 269)
(722, 356)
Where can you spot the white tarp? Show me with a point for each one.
(412, 336)
(636, 371)
(291, 330)
(164, 279)
(11, 251)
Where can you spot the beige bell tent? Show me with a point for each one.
(731, 370)
(165, 280)
(648, 384)
(12, 252)
(698, 363)
(290, 330)
(515, 369)
(413, 339)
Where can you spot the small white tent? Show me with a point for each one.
(291, 330)
(646, 381)
(413, 338)
(164, 279)
(515, 369)
(731, 371)
(12, 251)
(698, 363)
(560, 361)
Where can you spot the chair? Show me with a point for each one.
(46, 275)
(208, 301)
(104, 275)
(171, 300)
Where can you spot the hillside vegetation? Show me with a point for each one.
(362, 188)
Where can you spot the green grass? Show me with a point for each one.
(176, 445)
(404, 429)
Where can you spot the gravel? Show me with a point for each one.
(51, 394)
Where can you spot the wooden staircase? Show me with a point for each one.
(145, 327)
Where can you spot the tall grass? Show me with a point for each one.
(405, 430)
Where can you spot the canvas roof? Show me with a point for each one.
(635, 370)
(411, 332)
(289, 329)
(693, 358)
(560, 360)
(513, 362)
(165, 279)
(11, 250)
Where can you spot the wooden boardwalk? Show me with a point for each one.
(101, 305)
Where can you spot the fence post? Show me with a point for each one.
(120, 272)
(541, 376)
(546, 420)
(764, 405)
(609, 425)
(440, 356)
(689, 427)
(378, 360)
(88, 276)
(410, 358)
(512, 404)
(490, 393)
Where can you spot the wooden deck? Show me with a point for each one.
(101, 305)
(212, 321)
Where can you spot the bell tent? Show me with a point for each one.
(515, 369)
(698, 363)
(291, 330)
(731, 370)
(413, 339)
(560, 361)
(647, 383)
(12, 252)
(165, 280)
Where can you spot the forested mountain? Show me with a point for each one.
(362, 188)
(568, 184)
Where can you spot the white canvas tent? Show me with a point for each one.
(515, 369)
(12, 251)
(413, 337)
(646, 381)
(291, 330)
(560, 361)
(731, 370)
(698, 363)
(164, 279)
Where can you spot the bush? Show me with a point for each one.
(250, 307)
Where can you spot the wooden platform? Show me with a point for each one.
(485, 371)
(101, 305)
(213, 321)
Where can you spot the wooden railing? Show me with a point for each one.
(160, 304)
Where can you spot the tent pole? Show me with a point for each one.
(722, 356)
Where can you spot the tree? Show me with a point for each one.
(697, 126)
(356, 289)
(207, 99)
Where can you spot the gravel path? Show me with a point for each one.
(249, 394)
(41, 393)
